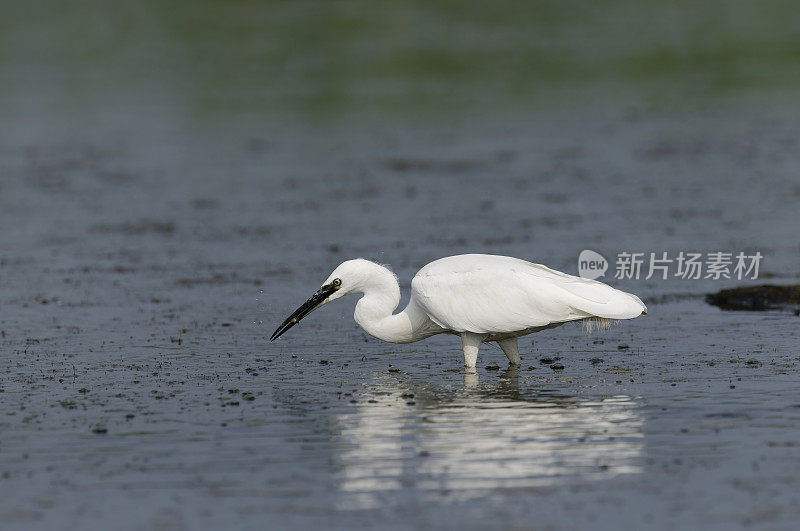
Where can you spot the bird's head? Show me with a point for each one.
(350, 277)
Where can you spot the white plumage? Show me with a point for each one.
(487, 294)
(479, 297)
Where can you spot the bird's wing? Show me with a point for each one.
(491, 294)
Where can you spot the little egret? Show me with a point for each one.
(479, 297)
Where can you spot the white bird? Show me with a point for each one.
(479, 297)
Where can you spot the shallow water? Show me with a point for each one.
(150, 248)
(140, 307)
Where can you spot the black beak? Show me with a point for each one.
(309, 306)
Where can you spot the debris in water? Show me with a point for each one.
(756, 298)
(783, 443)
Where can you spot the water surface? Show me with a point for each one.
(176, 180)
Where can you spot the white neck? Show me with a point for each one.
(374, 310)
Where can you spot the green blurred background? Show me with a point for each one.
(203, 63)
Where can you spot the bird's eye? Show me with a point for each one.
(337, 282)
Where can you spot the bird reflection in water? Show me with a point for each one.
(485, 437)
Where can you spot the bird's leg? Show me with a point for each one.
(511, 349)
(471, 344)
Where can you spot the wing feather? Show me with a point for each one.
(493, 294)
